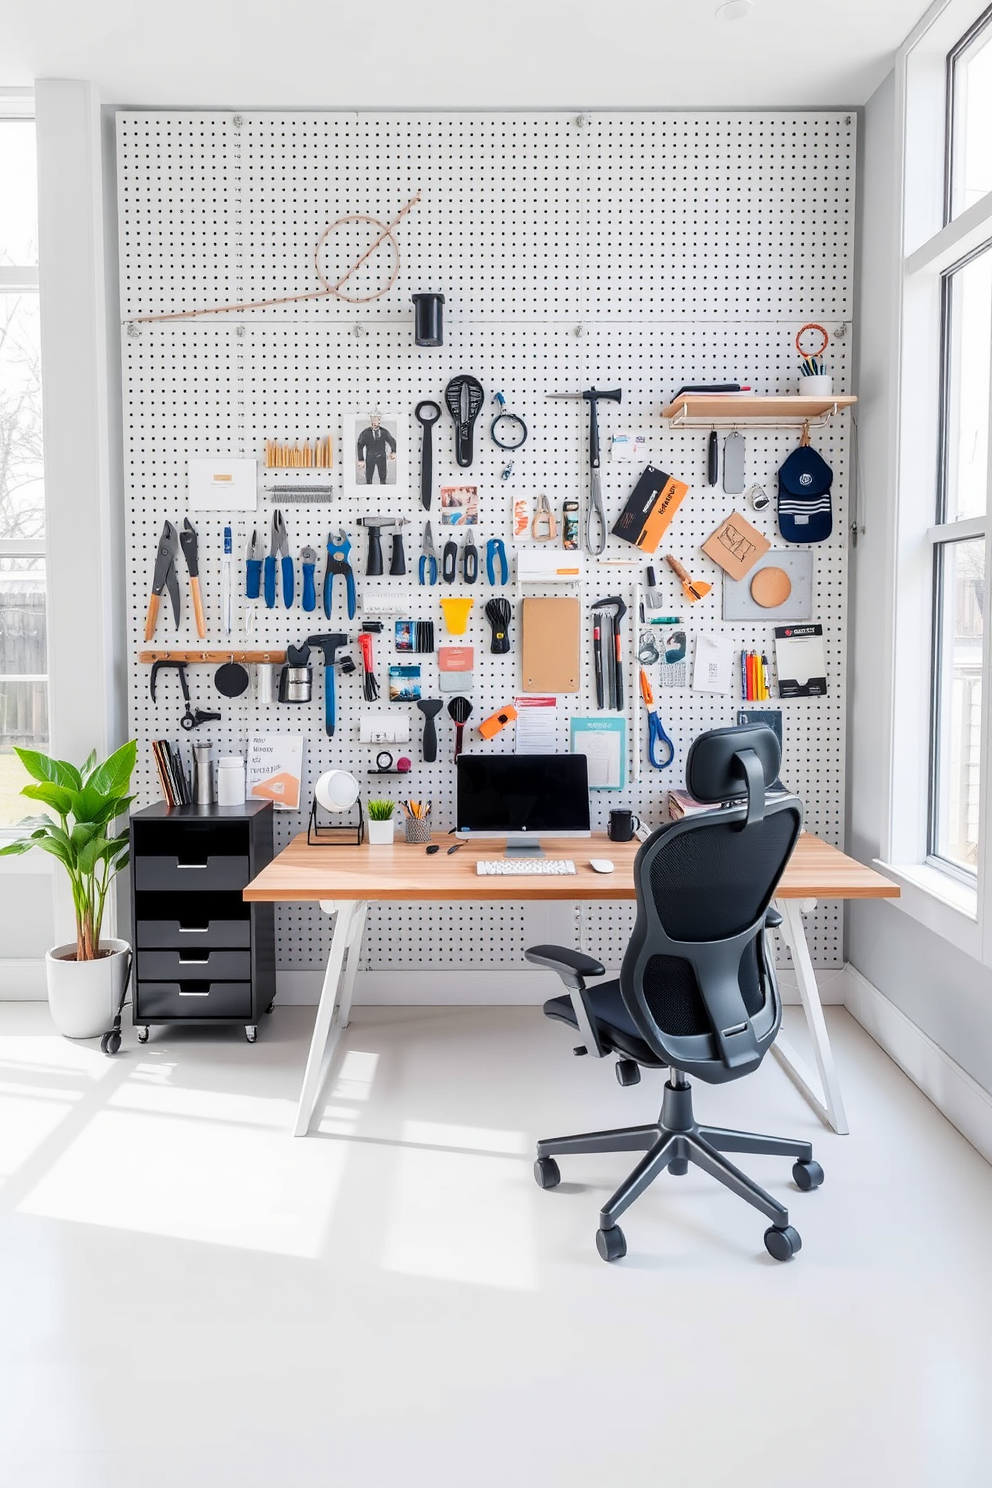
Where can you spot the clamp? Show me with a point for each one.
(338, 548)
(191, 719)
(495, 549)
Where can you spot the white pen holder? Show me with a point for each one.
(820, 386)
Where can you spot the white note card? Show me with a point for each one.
(222, 485)
(714, 666)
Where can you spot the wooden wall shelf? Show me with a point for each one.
(727, 410)
(194, 657)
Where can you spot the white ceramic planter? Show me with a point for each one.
(380, 833)
(84, 995)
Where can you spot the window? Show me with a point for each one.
(968, 172)
(959, 546)
(23, 644)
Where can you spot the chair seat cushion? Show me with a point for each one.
(615, 1025)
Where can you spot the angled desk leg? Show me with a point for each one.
(825, 1098)
(334, 1007)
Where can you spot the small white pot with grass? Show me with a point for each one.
(380, 823)
(86, 979)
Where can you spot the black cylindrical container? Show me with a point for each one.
(428, 319)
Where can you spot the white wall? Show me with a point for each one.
(946, 993)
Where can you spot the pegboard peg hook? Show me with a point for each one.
(132, 329)
(358, 329)
(580, 329)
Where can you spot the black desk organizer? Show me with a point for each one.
(202, 955)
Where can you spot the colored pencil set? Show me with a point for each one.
(755, 677)
(416, 810)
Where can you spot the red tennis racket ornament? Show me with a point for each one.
(383, 235)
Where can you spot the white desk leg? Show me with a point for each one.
(335, 1001)
(829, 1105)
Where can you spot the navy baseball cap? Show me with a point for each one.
(805, 513)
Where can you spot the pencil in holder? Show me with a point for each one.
(418, 829)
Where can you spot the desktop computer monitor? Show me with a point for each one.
(521, 797)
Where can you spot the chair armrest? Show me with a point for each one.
(772, 919)
(570, 965)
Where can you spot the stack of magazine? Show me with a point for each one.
(175, 783)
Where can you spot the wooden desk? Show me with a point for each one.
(344, 880)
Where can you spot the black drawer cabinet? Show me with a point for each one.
(201, 954)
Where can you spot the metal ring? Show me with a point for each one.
(384, 754)
(513, 418)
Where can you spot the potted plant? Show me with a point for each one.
(380, 815)
(86, 979)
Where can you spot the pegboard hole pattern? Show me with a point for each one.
(532, 228)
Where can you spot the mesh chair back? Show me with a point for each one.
(696, 978)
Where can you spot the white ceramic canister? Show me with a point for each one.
(230, 780)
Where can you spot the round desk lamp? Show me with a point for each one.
(336, 791)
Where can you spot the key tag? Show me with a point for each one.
(733, 463)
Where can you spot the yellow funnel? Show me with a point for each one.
(456, 613)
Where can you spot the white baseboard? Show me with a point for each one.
(22, 979)
(953, 1091)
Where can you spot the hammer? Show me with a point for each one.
(374, 562)
(328, 644)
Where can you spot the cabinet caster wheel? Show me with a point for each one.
(111, 1042)
(807, 1175)
(782, 1244)
(251, 1033)
(271, 1006)
(611, 1244)
(142, 1035)
(546, 1173)
(628, 1072)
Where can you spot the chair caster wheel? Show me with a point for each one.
(111, 1042)
(807, 1175)
(628, 1072)
(251, 1033)
(271, 1006)
(611, 1244)
(546, 1173)
(782, 1244)
(678, 1167)
(142, 1035)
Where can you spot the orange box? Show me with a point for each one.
(650, 508)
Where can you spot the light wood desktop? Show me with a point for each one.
(344, 880)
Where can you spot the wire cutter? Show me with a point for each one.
(253, 563)
(279, 546)
(661, 750)
(190, 544)
(165, 578)
(449, 560)
(338, 548)
(428, 557)
(494, 550)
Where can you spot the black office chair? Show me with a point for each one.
(697, 989)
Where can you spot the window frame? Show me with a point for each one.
(15, 280)
(981, 23)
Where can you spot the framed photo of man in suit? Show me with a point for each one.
(374, 453)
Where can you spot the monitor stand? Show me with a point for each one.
(523, 847)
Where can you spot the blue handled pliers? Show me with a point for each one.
(494, 550)
(279, 547)
(428, 557)
(338, 548)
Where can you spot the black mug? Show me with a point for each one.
(623, 825)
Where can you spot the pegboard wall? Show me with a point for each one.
(640, 250)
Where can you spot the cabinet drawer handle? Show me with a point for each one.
(194, 960)
(192, 994)
(193, 929)
(191, 865)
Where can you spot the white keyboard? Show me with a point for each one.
(525, 866)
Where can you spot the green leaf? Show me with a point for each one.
(88, 766)
(58, 797)
(92, 853)
(84, 832)
(112, 808)
(42, 767)
(114, 775)
(58, 849)
(15, 849)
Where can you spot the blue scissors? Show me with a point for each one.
(661, 750)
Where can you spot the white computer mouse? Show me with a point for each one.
(601, 865)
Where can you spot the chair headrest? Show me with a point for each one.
(731, 764)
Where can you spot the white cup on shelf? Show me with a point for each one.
(820, 386)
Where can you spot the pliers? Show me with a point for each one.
(279, 546)
(449, 560)
(428, 557)
(165, 578)
(190, 544)
(253, 561)
(338, 548)
(494, 550)
(308, 558)
(661, 750)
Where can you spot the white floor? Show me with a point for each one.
(189, 1296)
